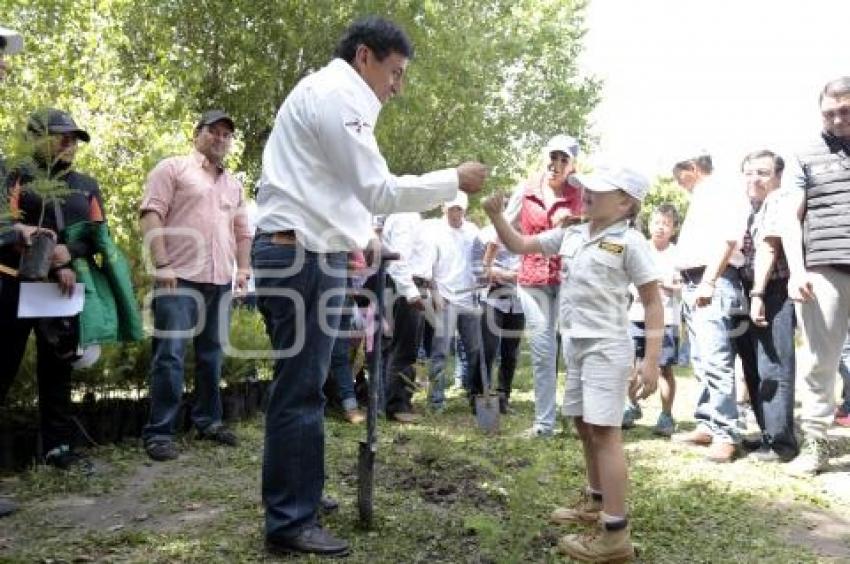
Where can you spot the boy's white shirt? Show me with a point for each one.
(665, 261)
(596, 273)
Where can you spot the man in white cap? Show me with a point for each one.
(450, 242)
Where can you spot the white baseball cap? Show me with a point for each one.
(460, 201)
(12, 41)
(607, 178)
(563, 143)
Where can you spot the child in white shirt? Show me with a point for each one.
(662, 226)
(599, 261)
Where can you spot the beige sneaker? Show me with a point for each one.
(599, 545)
(584, 512)
(812, 460)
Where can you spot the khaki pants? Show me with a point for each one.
(824, 322)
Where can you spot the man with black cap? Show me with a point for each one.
(195, 227)
(54, 136)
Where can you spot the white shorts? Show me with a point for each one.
(598, 372)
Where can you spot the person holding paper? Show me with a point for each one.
(53, 135)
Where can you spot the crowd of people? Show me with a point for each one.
(562, 264)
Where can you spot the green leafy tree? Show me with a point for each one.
(491, 80)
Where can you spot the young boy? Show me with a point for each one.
(599, 261)
(662, 226)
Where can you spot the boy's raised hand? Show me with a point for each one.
(494, 204)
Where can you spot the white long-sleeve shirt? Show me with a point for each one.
(401, 234)
(323, 174)
(451, 257)
(717, 214)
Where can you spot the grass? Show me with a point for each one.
(445, 493)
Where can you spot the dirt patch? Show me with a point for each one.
(823, 531)
(127, 506)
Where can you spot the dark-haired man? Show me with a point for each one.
(194, 220)
(819, 259)
(713, 301)
(323, 178)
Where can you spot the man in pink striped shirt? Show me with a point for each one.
(195, 227)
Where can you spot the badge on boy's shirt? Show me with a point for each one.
(613, 248)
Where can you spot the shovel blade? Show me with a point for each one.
(365, 482)
(487, 413)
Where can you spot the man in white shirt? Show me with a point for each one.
(410, 280)
(451, 240)
(714, 306)
(323, 178)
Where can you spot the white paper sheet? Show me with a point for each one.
(42, 299)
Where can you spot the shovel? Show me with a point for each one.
(369, 447)
(486, 404)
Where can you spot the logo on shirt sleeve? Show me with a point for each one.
(357, 125)
(613, 248)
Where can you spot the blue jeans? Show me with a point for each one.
(769, 362)
(540, 305)
(341, 362)
(468, 326)
(461, 363)
(294, 451)
(179, 313)
(712, 330)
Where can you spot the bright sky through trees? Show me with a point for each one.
(729, 75)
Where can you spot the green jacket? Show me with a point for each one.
(110, 312)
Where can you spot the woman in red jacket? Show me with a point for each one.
(544, 200)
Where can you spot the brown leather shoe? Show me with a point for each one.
(721, 453)
(695, 437)
(405, 417)
(354, 416)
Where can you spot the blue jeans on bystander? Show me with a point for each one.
(194, 310)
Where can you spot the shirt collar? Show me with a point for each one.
(617, 228)
(366, 93)
(204, 162)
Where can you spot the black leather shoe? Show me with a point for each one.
(219, 434)
(328, 504)
(313, 540)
